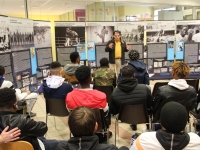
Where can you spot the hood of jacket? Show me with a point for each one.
(127, 85)
(86, 97)
(83, 143)
(180, 84)
(70, 69)
(171, 141)
(52, 83)
(138, 65)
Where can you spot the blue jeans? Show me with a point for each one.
(48, 144)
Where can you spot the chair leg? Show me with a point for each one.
(54, 122)
(107, 136)
(115, 130)
(46, 124)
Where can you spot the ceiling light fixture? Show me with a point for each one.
(45, 3)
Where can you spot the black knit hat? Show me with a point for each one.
(134, 54)
(173, 117)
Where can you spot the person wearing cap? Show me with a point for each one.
(139, 67)
(173, 118)
(116, 48)
(177, 90)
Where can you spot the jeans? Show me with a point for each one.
(48, 144)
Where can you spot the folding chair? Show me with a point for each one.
(18, 145)
(132, 114)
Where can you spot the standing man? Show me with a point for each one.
(116, 48)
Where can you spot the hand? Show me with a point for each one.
(110, 45)
(28, 92)
(12, 135)
(128, 47)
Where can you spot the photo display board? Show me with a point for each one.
(158, 65)
(160, 31)
(192, 58)
(131, 32)
(188, 31)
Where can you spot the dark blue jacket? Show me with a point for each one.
(60, 92)
(141, 73)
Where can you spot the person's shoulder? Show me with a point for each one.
(7, 84)
(107, 147)
(62, 145)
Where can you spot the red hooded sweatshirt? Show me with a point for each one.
(88, 98)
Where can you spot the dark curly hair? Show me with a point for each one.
(127, 72)
(74, 56)
(7, 98)
(82, 122)
(83, 74)
(2, 70)
(104, 62)
(55, 67)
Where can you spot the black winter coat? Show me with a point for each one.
(84, 143)
(30, 129)
(129, 92)
(167, 93)
(112, 52)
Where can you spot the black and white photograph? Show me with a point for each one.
(69, 36)
(133, 33)
(92, 64)
(4, 35)
(188, 31)
(42, 34)
(21, 33)
(99, 34)
(160, 31)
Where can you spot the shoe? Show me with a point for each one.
(109, 134)
(133, 127)
(32, 114)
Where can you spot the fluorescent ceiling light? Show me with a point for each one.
(45, 3)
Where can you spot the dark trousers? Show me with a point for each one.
(48, 144)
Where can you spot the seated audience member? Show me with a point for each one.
(129, 92)
(85, 96)
(139, 67)
(104, 76)
(9, 136)
(69, 70)
(177, 90)
(82, 124)
(54, 86)
(30, 129)
(19, 94)
(173, 119)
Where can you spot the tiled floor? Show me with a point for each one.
(61, 132)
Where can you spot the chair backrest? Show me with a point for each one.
(18, 145)
(56, 107)
(105, 89)
(156, 86)
(194, 83)
(133, 114)
(100, 119)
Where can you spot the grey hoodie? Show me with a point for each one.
(70, 69)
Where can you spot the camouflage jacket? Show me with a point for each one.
(104, 77)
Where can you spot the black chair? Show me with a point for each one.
(156, 86)
(194, 83)
(105, 89)
(56, 107)
(132, 114)
(99, 116)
